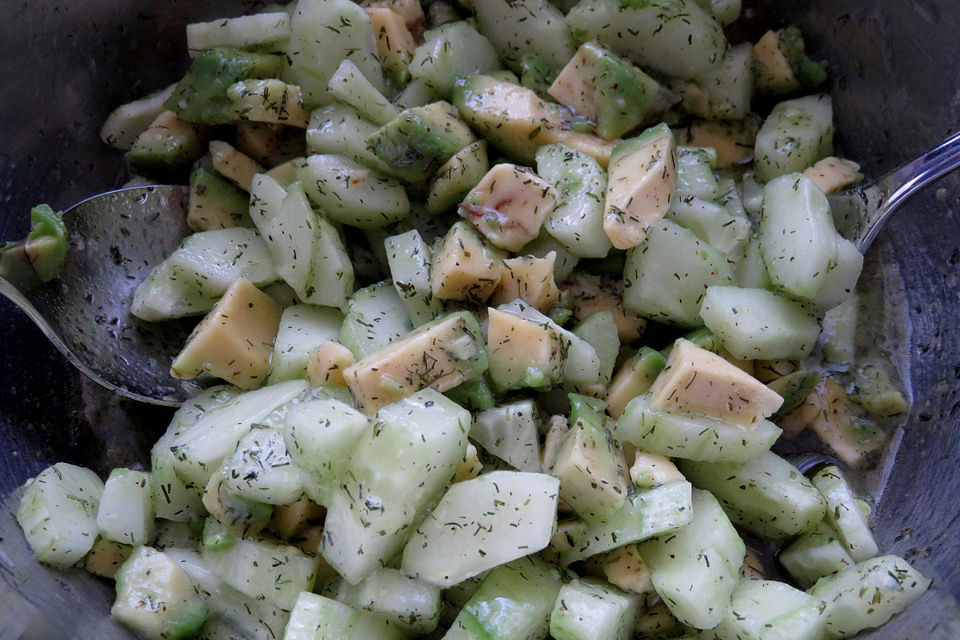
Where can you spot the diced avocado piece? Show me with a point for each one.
(523, 352)
(794, 389)
(473, 394)
(166, 149)
(41, 256)
(590, 480)
(872, 389)
(215, 202)
(509, 205)
(420, 140)
(156, 598)
(201, 96)
(440, 354)
(235, 340)
(450, 51)
(640, 190)
(609, 90)
(464, 266)
(634, 378)
(516, 120)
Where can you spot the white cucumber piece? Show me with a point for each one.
(448, 51)
(592, 610)
(846, 514)
(303, 328)
(58, 514)
(339, 129)
(696, 569)
(408, 603)
(200, 448)
(242, 32)
(767, 496)
(712, 223)
(797, 237)
(814, 555)
(347, 32)
(513, 602)
(666, 277)
(351, 193)
(795, 135)
(264, 570)
(645, 514)
(759, 324)
(695, 177)
(842, 277)
(126, 510)
(600, 331)
(409, 258)
(868, 594)
(510, 433)
(838, 338)
(155, 597)
(399, 468)
(482, 523)
(320, 618)
(351, 87)
(457, 176)
(581, 184)
(533, 27)
(262, 469)
(692, 437)
(751, 271)
(375, 317)
(768, 609)
(177, 535)
(724, 92)
(125, 123)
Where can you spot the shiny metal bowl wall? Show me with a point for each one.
(65, 65)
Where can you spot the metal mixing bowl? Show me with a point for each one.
(896, 86)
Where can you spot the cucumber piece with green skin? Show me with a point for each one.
(165, 150)
(347, 33)
(457, 176)
(199, 449)
(58, 514)
(155, 597)
(351, 87)
(128, 121)
(810, 73)
(398, 469)
(666, 277)
(510, 433)
(264, 570)
(600, 331)
(215, 202)
(473, 394)
(892, 585)
(872, 389)
(41, 256)
(410, 259)
(813, 555)
(692, 437)
(536, 73)
(535, 27)
(695, 176)
(262, 469)
(797, 237)
(513, 602)
(410, 604)
(126, 512)
(375, 316)
(644, 514)
(352, 193)
(418, 141)
(201, 96)
(257, 31)
(696, 569)
(724, 92)
(712, 223)
(581, 185)
(214, 259)
(675, 37)
(449, 51)
(769, 609)
(308, 250)
(846, 514)
(759, 324)
(482, 523)
(767, 496)
(795, 135)
(592, 610)
(794, 388)
(303, 328)
(339, 129)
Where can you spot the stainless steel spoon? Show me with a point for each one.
(116, 239)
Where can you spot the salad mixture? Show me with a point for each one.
(510, 301)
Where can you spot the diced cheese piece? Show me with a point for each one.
(269, 100)
(699, 381)
(106, 556)
(236, 167)
(327, 364)
(651, 469)
(586, 294)
(733, 141)
(395, 44)
(509, 205)
(556, 430)
(440, 354)
(773, 72)
(625, 568)
(643, 178)
(590, 480)
(530, 279)
(234, 341)
(409, 10)
(833, 174)
(470, 467)
(289, 520)
(464, 266)
(523, 352)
